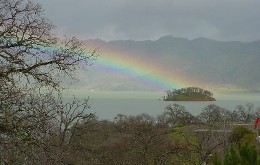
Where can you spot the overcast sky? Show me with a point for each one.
(150, 19)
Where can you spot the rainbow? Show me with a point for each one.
(145, 71)
(142, 70)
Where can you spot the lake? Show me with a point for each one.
(106, 105)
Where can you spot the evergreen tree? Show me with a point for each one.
(245, 154)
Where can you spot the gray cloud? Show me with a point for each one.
(151, 19)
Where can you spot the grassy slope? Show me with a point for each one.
(190, 97)
(181, 134)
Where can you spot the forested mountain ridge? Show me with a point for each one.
(222, 63)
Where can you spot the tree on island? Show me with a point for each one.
(189, 93)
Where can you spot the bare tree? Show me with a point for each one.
(37, 128)
(35, 124)
(139, 143)
(245, 113)
(211, 115)
(28, 49)
(177, 114)
(68, 117)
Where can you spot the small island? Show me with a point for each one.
(189, 94)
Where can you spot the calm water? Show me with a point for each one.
(107, 105)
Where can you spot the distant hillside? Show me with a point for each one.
(223, 64)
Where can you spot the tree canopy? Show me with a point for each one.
(188, 93)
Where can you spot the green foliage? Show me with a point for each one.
(231, 157)
(245, 154)
(241, 134)
(188, 94)
(216, 160)
(248, 154)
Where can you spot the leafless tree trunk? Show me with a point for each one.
(35, 123)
